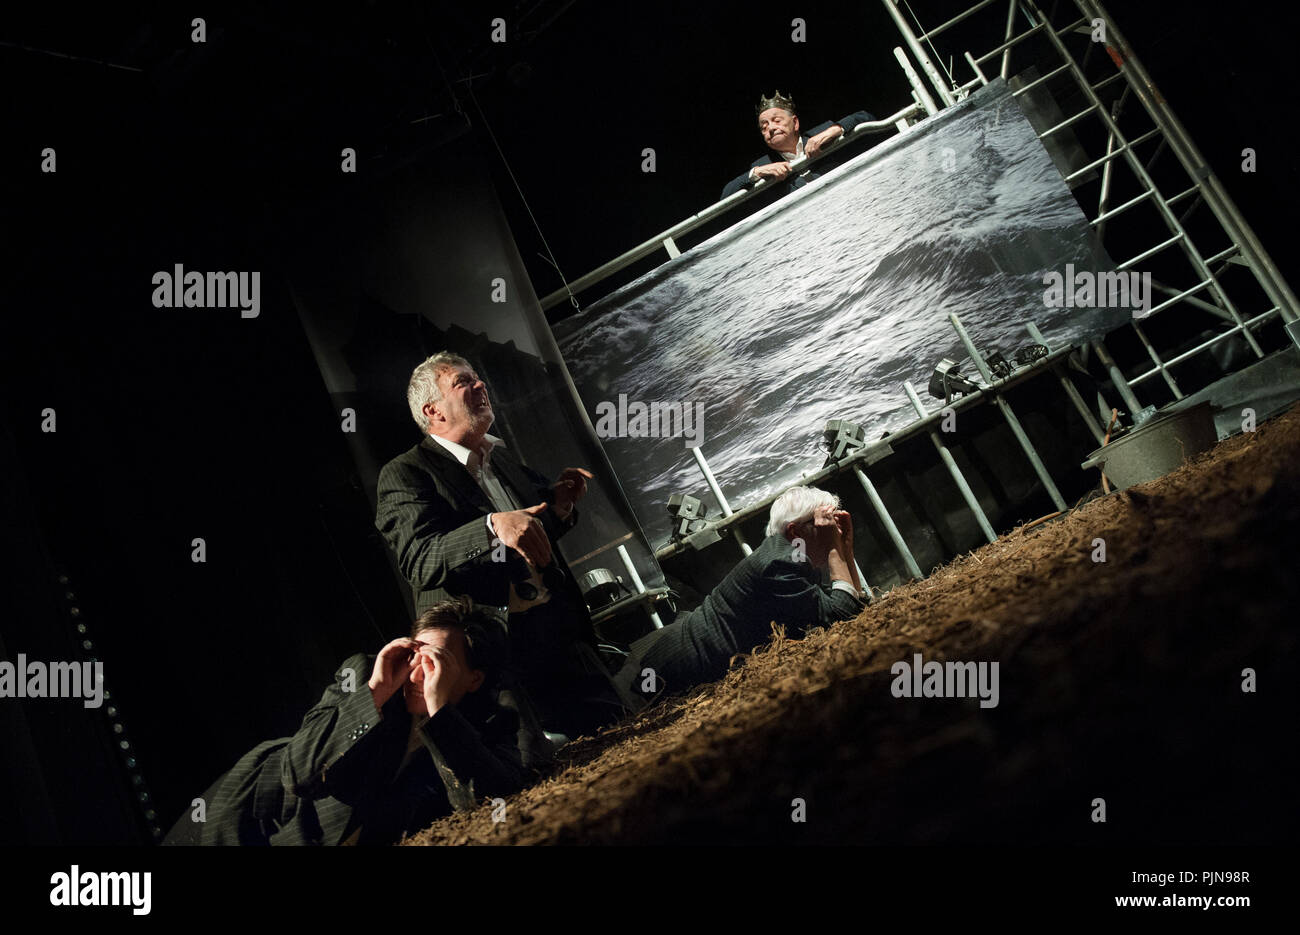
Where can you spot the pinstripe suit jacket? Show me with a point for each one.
(431, 513)
(338, 777)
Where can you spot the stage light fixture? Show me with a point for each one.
(842, 438)
(1029, 353)
(947, 382)
(998, 365)
(686, 511)
(600, 587)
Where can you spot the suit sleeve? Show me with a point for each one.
(497, 759)
(743, 181)
(325, 757)
(803, 602)
(735, 185)
(853, 119)
(845, 123)
(416, 521)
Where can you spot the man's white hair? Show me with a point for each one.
(423, 388)
(797, 505)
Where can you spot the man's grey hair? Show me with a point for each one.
(797, 505)
(423, 388)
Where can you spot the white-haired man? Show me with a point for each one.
(465, 517)
(779, 582)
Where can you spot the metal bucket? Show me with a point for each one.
(1157, 447)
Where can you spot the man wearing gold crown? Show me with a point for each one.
(778, 124)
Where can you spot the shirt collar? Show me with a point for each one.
(462, 453)
(798, 151)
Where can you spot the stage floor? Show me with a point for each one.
(1122, 680)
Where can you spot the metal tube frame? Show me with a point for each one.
(1016, 428)
(719, 496)
(1244, 247)
(1227, 213)
(1070, 390)
(927, 66)
(1172, 136)
(1138, 169)
(950, 463)
(895, 536)
(639, 585)
(921, 95)
(925, 423)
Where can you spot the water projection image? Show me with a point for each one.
(820, 305)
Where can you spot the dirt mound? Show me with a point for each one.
(1119, 680)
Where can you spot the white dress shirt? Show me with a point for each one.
(788, 157)
(846, 586)
(479, 465)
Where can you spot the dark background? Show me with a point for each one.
(181, 423)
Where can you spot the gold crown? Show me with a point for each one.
(776, 100)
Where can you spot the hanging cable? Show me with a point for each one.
(916, 20)
(549, 255)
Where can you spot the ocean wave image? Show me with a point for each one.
(820, 305)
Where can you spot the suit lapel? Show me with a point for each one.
(455, 474)
(510, 473)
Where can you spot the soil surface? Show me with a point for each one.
(1119, 681)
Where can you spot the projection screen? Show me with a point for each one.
(820, 305)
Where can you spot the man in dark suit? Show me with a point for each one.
(778, 124)
(465, 517)
(437, 726)
(779, 582)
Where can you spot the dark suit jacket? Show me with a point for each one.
(767, 586)
(431, 512)
(744, 181)
(339, 774)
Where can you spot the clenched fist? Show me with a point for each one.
(569, 489)
(773, 171)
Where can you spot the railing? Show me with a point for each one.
(667, 239)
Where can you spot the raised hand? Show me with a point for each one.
(570, 488)
(392, 669)
(843, 562)
(814, 144)
(845, 522)
(442, 673)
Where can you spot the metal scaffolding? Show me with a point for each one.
(1057, 56)
(1106, 83)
